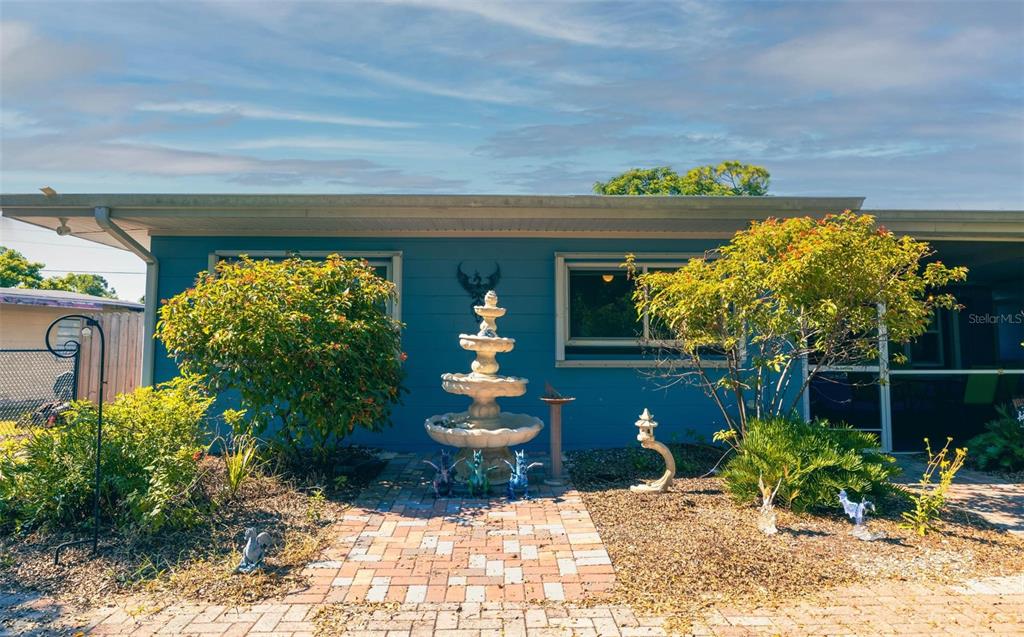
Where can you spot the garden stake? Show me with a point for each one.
(69, 352)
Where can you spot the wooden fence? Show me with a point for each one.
(123, 368)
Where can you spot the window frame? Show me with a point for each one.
(936, 327)
(391, 260)
(565, 262)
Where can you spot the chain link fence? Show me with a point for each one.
(34, 382)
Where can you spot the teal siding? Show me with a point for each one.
(435, 309)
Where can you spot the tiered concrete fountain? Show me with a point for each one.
(484, 426)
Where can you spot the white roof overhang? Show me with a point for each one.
(145, 215)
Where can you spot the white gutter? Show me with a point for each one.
(103, 220)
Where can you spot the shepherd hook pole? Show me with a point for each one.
(70, 352)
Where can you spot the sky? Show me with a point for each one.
(910, 104)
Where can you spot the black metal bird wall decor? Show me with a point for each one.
(477, 286)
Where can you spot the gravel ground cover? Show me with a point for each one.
(678, 553)
(197, 563)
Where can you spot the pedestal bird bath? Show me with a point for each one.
(483, 426)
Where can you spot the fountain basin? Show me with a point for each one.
(489, 344)
(457, 430)
(482, 386)
(493, 437)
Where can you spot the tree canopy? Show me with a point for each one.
(92, 284)
(741, 321)
(728, 179)
(18, 272)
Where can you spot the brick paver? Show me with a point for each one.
(978, 607)
(993, 606)
(400, 544)
(404, 565)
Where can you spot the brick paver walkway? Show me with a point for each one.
(405, 565)
(399, 544)
(993, 606)
(981, 607)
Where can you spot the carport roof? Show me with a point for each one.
(147, 215)
(62, 298)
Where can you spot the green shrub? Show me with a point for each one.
(813, 461)
(152, 443)
(1001, 446)
(308, 346)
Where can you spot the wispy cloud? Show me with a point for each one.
(33, 62)
(59, 154)
(369, 146)
(251, 111)
(875, 57)
(495, 91)
(564, 22)
(13, 122)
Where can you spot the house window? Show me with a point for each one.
(596, 320)
(928, 349)
(601, 310)
(385, 264)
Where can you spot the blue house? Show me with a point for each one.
(554, 262)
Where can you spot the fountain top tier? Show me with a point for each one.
(486, 342)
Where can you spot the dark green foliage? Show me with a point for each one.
(813, 460)
(1001, 446)
(152, 442)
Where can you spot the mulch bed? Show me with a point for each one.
(680, 552)
(197, 563)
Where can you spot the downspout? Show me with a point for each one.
(103, 220)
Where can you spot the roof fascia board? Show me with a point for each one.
(455, 206)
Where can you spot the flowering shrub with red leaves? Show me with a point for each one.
(741, 321)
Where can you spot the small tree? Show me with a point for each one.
(741, 321)
(307, 344)
(728, 179)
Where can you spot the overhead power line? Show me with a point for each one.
(55, 244)
(93, 271)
